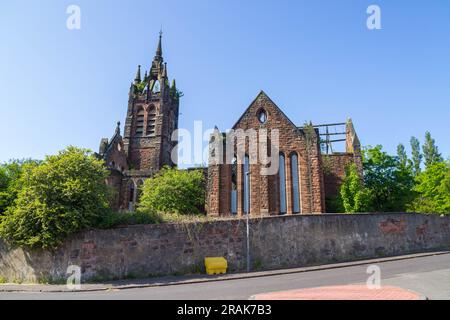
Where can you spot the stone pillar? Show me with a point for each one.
(317, 187)
(300, 184)
(213, 190)
(264, 195)
(225, 189)
(288, 184)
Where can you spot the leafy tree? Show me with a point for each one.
(416, 155)
(433, 188)
(430, 151)
(65, 194)
(402, 156)
(4, 184)
(174, 191)
(355, 197)
(389, 182)
(10, 182)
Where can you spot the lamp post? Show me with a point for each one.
(247, 176)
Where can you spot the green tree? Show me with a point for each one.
(355, 197)
(10, 182)
(174, 191)
(430, 151)
(4, 184)
(433, 189)
(389, 182)
(402, 156)
(416, 155)
(65, 194)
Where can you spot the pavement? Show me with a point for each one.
(426, 274)
(349, 292)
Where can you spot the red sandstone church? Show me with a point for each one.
(309, 170)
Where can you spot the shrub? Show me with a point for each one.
(334, 204)
(65, 194)
(113, 219)
(174, 191)
(433, 189)
(355, 197)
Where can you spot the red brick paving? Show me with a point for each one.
(350, 292)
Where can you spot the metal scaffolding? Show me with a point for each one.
(330, 134)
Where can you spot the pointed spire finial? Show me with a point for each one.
(159, 49)
(137, 79)
(118, 127)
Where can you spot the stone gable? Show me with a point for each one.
(302, 188)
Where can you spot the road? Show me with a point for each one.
(429, 276)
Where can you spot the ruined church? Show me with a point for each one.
(310, 170)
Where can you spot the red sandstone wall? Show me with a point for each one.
(164, 249)
(334, 171)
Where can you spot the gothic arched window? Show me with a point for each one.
(282, 176)
(156, 87)
(234, 186)
(151, 120)
(140, 123)
(295, 183)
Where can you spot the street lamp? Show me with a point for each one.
(247, 176)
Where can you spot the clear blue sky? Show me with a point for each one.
(316, 59)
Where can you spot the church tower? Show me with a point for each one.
(151, 119)
(146, 145)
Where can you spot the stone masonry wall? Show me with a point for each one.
(335, 166)
(276, 242)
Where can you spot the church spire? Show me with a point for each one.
(158, 55)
